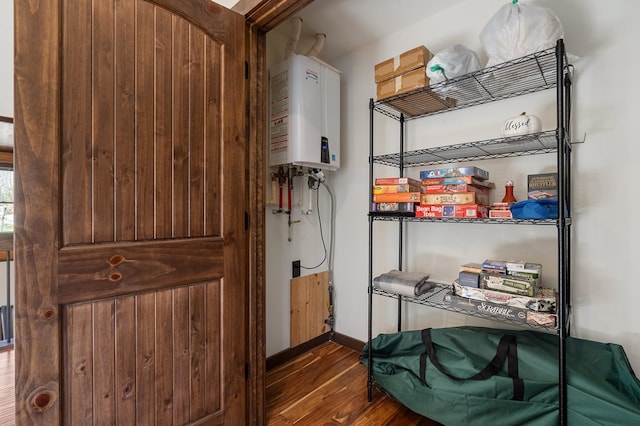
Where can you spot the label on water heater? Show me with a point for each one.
(311, 75)
(279, 140)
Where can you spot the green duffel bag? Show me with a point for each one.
(482, 376)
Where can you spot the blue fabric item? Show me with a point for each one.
(535, 209)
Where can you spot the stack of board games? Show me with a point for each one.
(500, 211)
(508, 289)
(461, 192)
(395, 195)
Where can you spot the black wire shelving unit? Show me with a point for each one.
(528, 74)
(513, 146)
(533, 73)
(439, 298)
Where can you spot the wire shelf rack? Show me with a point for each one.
(528, 74)
(409, 217)
(438, 298)
(511, 146)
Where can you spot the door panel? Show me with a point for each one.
(141, 130)
(131, 245)
(177, 374)
(103, 270)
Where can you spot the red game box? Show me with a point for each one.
(469, 211)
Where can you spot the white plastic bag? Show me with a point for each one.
(452, 62)
(517, 30)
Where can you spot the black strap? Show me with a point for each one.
(507, 351)
(512, 369)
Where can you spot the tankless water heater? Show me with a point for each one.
(304, 114)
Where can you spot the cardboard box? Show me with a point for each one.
(471, 267)
(432, 181)
(455, 172)
(427, 102)
(455, 198)
(495, 266)
(542, 186)
(393, 207)
(503, 312)
(407, 61)
(463, 211)
(459, 180)
(509, 284)
(394, 189)
(462, 187)
(543, 301)
(469, 279)
(501, 206)
(403, 197)
(524, 269)
(397, 181)
(403, 83)
(500, 214)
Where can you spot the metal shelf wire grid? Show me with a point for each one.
(407, 217)
(511, 146)
(528, 74)
(437, 299)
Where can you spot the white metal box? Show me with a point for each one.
(304, 114)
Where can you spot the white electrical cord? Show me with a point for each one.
(319, 178)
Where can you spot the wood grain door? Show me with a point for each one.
(131, 240)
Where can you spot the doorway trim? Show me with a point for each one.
(265, 16)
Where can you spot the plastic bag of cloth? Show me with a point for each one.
(449, 64)
(518, 30)
(481, 376)
(535, 209)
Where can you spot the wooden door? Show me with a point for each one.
(131, 240)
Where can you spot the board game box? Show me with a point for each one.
(455, 198)
(509, 284)
(543, 301)
(502, 312)
(542, 186)
(401, 197)
(394, 189)
(454, 172)
(393, 207)
(469, 211)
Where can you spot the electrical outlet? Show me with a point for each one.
(295, 268)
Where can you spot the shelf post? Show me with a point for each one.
(562, 259)
(401, 221)
(370, 284)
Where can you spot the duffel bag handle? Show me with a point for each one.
(507, 351)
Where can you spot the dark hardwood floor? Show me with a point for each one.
(328, 385)
(324, 386)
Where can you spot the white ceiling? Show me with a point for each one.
(226, 3)
(351, 24)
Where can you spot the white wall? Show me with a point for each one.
(305, 244)
(6, 58)
(605, 166)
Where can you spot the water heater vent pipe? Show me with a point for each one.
(292, 43)
(318, 45)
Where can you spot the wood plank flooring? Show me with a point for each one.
(328, 385)
(7, 388)
(324, 386)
